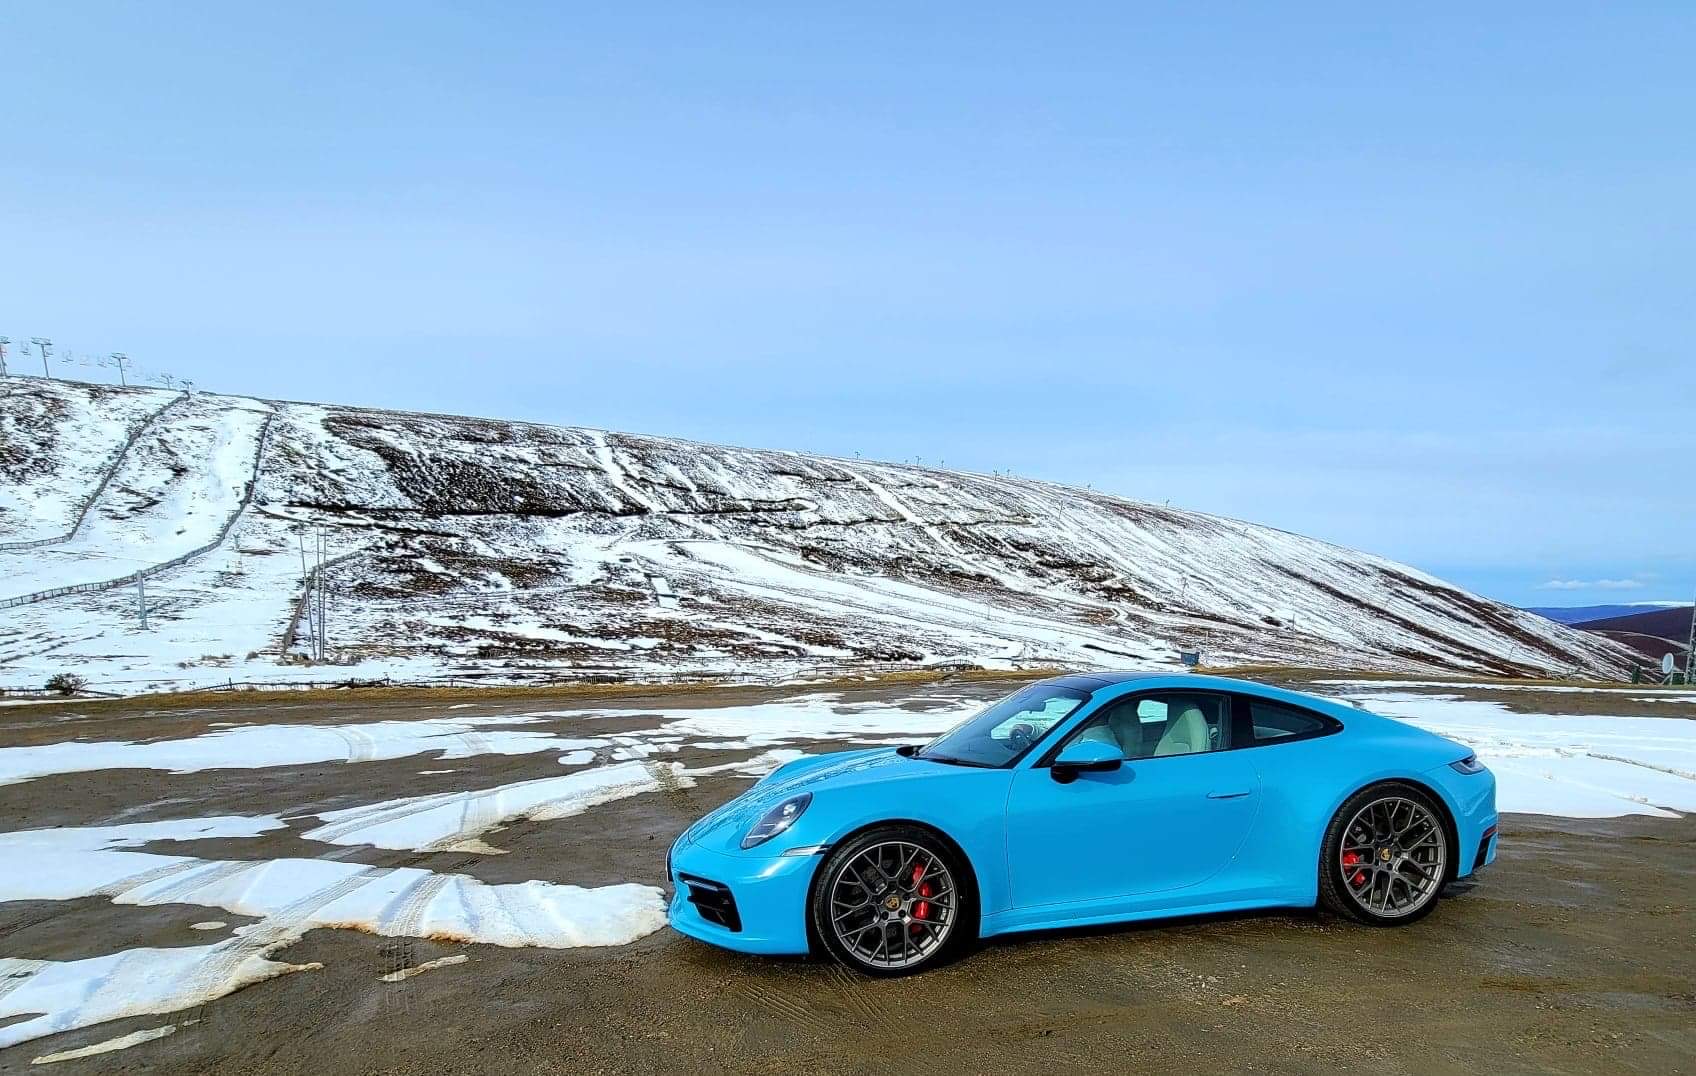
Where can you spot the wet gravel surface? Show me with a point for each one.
(1576, 952)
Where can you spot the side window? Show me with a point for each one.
(1274, 722)
(1166, 723)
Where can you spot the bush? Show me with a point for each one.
(66, 684)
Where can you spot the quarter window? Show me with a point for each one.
(1273, 722)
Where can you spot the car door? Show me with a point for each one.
(1172, 816)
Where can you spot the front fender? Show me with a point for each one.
(969, 807)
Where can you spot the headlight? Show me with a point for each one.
(1469, 764)
(777, 820)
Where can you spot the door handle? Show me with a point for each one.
(1229, 795)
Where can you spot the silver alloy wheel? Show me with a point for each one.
(893, 904)
(1393, 857)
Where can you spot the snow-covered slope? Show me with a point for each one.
(466, 545)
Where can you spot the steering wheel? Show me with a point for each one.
(1021, 735)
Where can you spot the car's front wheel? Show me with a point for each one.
(893, 901)
(1386, 856)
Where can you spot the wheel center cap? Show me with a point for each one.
(892, 902)
(1384, 854)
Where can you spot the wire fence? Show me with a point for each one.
(163, 566)
(291, 631)
(44, 693)
(88, 502)
(565, 677)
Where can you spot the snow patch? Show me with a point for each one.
(122, 1042)
(420, 969)
(260, 746)
(447, 821)
(663, 592)
(68, 994)
(1573, 766)
(287, 896)
(824, 716)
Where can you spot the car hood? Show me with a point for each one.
(723, 828)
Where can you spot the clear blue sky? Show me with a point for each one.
(1417, 281)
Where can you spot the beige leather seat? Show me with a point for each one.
(1122, 730)
(1098, 734)
(1186, 734)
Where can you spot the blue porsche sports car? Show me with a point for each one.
(1082, 800)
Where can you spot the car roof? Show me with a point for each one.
(1096, 681)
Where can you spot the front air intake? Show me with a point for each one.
(713, 900)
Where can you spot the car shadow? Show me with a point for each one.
(1305, 916)
(1295, 915)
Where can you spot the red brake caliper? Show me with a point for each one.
(921, 909)
(1351, 859)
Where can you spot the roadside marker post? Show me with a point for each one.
(1690, 645)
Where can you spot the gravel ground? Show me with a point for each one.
(1573, 953)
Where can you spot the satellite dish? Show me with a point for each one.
(1666, 664)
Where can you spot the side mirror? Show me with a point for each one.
(1085, 756)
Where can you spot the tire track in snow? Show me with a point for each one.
(147, 877)
(477, 815)
(193, 880)
(1669, 770)
(361, 746)
(334, 831)
(15, 971)
(475, 742)
(278, 930)
(476, 811)
(399, 953)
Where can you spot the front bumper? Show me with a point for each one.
(768, 895)
(1472, 802)
(1486, 854)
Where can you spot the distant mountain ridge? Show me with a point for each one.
(1669, 623)
(1578, 614)
(478, 547)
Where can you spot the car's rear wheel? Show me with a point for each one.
(1386, 856)
(893, 901)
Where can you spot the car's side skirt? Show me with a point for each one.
(1098, 913)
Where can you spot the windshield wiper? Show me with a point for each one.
(950, 760)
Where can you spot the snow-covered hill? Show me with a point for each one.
(463, 545)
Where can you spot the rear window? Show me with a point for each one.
(1273, 722)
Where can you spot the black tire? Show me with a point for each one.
(961, 922)
(1338, 895)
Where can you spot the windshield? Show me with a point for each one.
(1001, 734)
